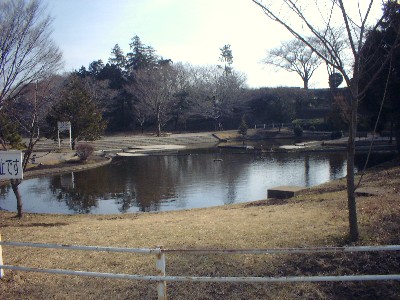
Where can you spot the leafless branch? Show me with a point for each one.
(27, 52)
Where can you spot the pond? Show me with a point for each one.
(191, 179)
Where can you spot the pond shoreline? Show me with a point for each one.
(57, 161)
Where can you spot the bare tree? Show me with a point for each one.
(27, 111)
(318, 20)
(294, 56)
(155, 89)
(142, 113)
(27, 55)
(215, 93)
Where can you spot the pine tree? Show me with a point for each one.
(77, 107)
(142, 56)
(118, 58)
(243, 129)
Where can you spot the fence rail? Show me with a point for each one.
(273, 125)
(162, 278)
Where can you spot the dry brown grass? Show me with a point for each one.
(318, 217)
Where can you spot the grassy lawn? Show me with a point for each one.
(317, 217)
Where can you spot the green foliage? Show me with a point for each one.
(84, 151)
(9, 132)
(310, 124)
(243, 128)
(380, 41)
(335, 120)
(77, 106)
(275, 105)
(142, 56)
(227, 58)
(298, 131)
(118, 58)
(336, 135)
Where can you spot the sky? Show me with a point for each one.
(190, 31)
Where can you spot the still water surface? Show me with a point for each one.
(189, 180)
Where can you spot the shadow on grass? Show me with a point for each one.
(267, 202)
(55, 224)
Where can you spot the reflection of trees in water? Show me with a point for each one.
(157, 178)
(4, 189)
(77, 197)
(307, 169)
(148, 182)
(78, 192)
(123, 182)
(337, 163)
(125, 200)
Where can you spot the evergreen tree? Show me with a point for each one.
(379, 40)
(227, 58)
(142, 56)
(118, 58)
(77, 107)
(95, 67)
(9, 131)
(243, 129)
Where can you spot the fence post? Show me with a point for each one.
(1, 260)
(160, 266)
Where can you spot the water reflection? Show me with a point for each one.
(176, 182)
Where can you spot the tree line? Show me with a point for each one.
(144, 90)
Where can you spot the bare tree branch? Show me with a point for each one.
(27, 52)
(294, 56)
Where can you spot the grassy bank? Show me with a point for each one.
(318, 217)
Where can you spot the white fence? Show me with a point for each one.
(273, 125)
(162, 278)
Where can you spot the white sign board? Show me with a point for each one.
(11, 165)
(63, 126)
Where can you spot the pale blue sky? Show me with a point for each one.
(182, 30)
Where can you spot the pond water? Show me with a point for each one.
(173, 182)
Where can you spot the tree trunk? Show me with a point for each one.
(158, 128)
(14, 185)
(391, 132)
(351, 199)
(305, 81)
(158, 124)
(397, 134)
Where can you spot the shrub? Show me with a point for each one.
(311, 124)
(243, 128)
(84, 151)
(298, 131)
(336, 135)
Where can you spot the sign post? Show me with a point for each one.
(11, 165)
(64, 126)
